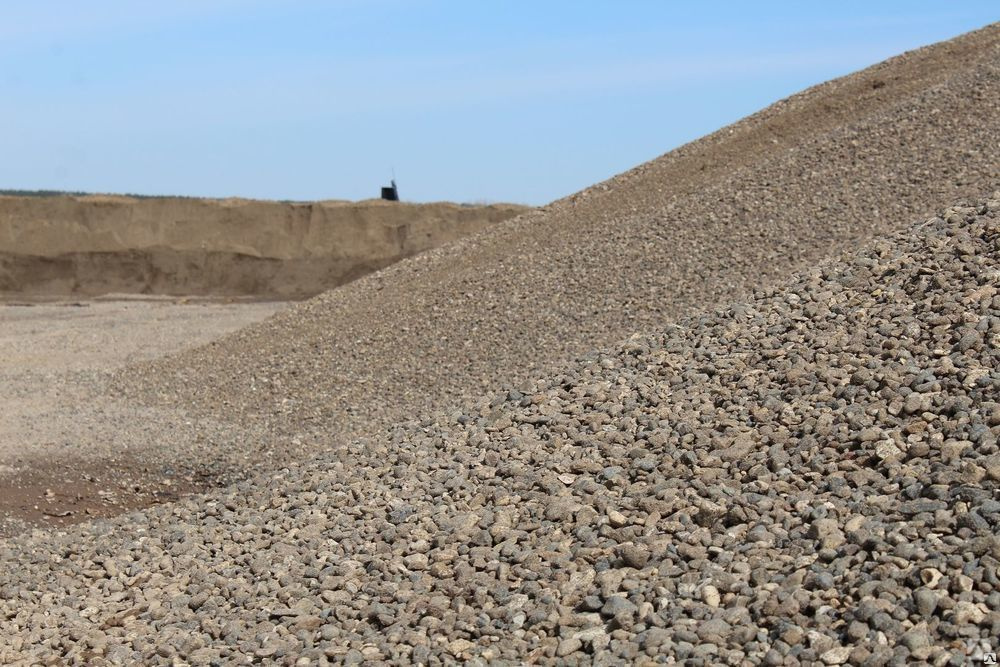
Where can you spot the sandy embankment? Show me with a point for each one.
(68, 245)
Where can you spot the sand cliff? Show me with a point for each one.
(88, 245)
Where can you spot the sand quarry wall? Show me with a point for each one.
(91, 245)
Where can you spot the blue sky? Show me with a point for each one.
(467, 101)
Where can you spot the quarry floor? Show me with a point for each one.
(69, 449)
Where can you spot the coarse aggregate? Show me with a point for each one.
(809, 477)
(813, 175)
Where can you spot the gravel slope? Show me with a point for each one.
(746, 206)
(810, 476)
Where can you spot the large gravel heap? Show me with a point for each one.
(705, 224)
(810, 476)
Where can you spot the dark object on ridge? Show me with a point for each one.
(391, 193)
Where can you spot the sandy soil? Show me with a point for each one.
(90, 245)
(105, 334)
(69, 449)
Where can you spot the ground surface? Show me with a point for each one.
(807, 478)
(69, 450)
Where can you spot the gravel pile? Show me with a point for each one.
(703, 225)
(809, 477)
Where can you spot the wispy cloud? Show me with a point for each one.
(66, 21)
(348, 90)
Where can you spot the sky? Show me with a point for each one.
(467, 101)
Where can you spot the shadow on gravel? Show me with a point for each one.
(51, 494)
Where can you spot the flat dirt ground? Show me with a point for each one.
(69, 450)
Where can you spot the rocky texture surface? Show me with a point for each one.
(810, 477)
(743, 207)
(704, 224)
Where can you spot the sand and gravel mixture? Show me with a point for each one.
(806, 476)
(811, 176)
(809, 477)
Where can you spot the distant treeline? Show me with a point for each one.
(69, 193)
(39, 193)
